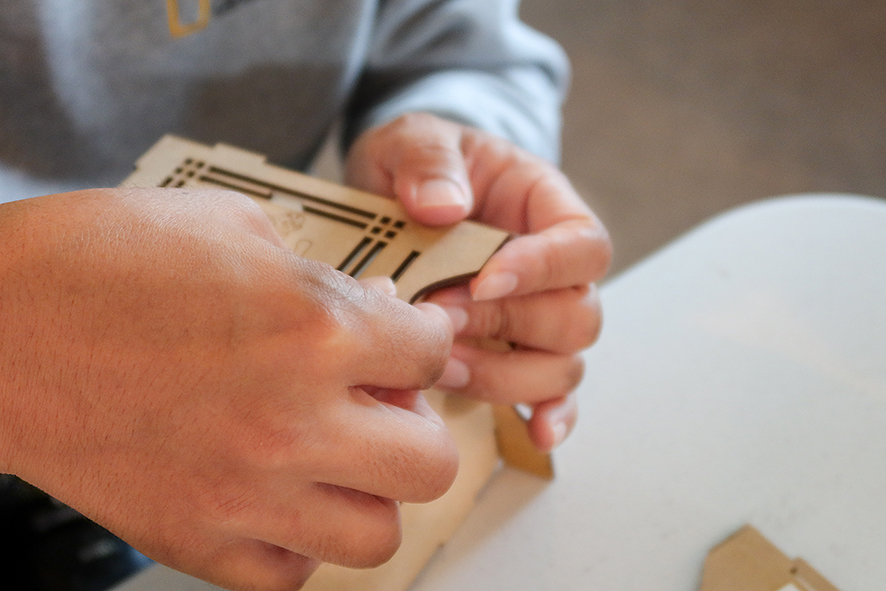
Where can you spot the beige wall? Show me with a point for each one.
(681, 109)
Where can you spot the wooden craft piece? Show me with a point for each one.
(368, 235)
(361, 234)
(747, 561)
(515, 446)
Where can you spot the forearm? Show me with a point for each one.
(474, 63)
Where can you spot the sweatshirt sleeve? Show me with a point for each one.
(471, 61)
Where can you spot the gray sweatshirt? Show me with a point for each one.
(88, 85)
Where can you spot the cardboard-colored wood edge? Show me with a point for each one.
(747, 561)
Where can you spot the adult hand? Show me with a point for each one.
(537, 292)
(173, 372)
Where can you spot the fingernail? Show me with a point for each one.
(495, 286)
(455, 376)
(458, 316)
(440, 193)
(559, 429)
(560, 418)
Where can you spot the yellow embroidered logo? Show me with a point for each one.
(180, 28)
(189, 16)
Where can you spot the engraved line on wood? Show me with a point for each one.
(250, 188)
(367, 260)
(214, 170)
(354, 253)
(183, 173)
(407, 262)
(267, 194)
(334, 217)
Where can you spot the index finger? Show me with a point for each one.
(568, 254)
(563, 244)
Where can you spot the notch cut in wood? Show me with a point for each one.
(747, 561)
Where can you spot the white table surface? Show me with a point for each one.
(740, 378)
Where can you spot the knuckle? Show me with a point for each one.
(573, 374)
(595, 311)
(433, 143)
(422, 472)
(601, 256)
(365, 543)
(581, 252)
(586, 323)
(556, 266)
(235, 204)
(379, 547)
(434, 367)
(327, 300)
(421, 345)
(436, 353)
(440, 472)
(496, 321)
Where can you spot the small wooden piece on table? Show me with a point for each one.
(747, 561)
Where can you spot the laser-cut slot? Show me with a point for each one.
(334, 217)
(367, 260)
(241, 183)
(354, 253)
(214, 170)
(242, 188)
(407, 262)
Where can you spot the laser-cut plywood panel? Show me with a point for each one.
(358, 233)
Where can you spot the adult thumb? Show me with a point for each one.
(416, 158)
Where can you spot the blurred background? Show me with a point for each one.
(681, 109)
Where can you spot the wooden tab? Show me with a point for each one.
(747, 561)
(514, 445)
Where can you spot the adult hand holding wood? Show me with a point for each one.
(537, 292)
(170, 370)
